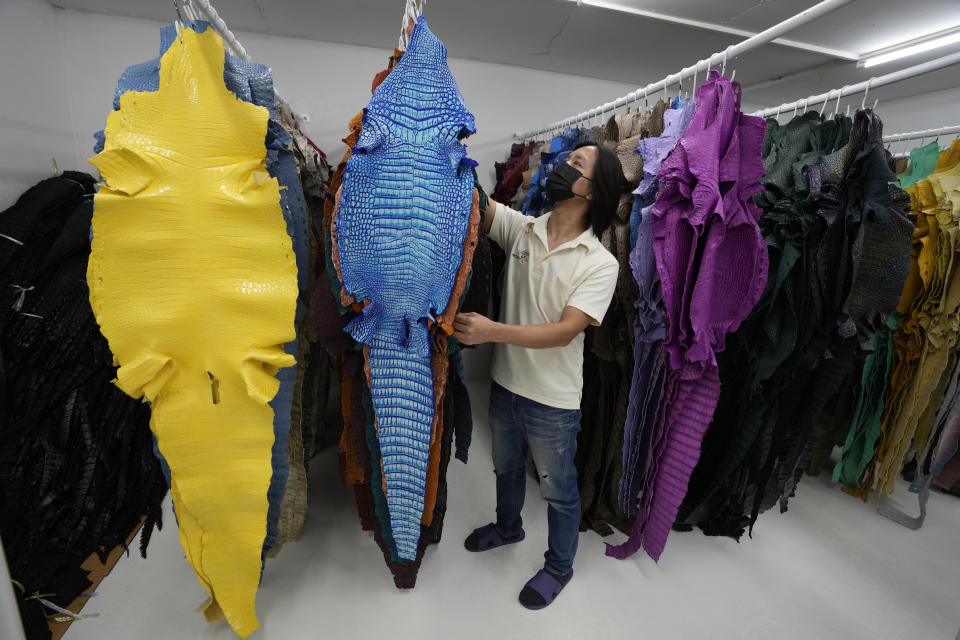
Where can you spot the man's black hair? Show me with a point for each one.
(607, 183)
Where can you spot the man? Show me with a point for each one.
(558, 279)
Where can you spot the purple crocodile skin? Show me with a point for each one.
(712, 262)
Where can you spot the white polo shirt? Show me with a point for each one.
(538, 285)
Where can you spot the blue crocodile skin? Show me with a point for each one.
(404, 208)
(251, 82)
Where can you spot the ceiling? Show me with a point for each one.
(567, 37)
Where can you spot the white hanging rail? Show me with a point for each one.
(920, 135)
(863, 87)
(774, 32)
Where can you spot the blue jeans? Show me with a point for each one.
(550, 434)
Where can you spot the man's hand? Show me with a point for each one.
(473, 328)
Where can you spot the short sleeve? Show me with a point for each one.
(507, 225)
(594, 294)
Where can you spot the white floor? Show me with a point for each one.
(830, 568)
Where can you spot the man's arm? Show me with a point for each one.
(473, 328)
(488, 214)
(503, 224)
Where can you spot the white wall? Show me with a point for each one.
(61, 67)
(36, 121)
(330, 82)
(927, 111)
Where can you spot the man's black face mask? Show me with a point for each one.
(560, 182)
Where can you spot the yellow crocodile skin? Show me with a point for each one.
(193, 282)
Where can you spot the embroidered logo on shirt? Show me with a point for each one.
(523, 256)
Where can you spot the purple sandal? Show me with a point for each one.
(544, 585)
(487, 537)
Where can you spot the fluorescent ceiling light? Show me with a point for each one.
(718, 28)
(912, 50)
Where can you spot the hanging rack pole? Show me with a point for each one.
(774, 32)
(919, 135)
(872, 83)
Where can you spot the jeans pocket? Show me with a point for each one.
(552, 422)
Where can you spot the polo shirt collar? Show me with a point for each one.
(585, 239)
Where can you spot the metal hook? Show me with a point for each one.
(824, 104)
(837, 106)
(178, 21)
(863, 103)
(723, 69)
(848, 111)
